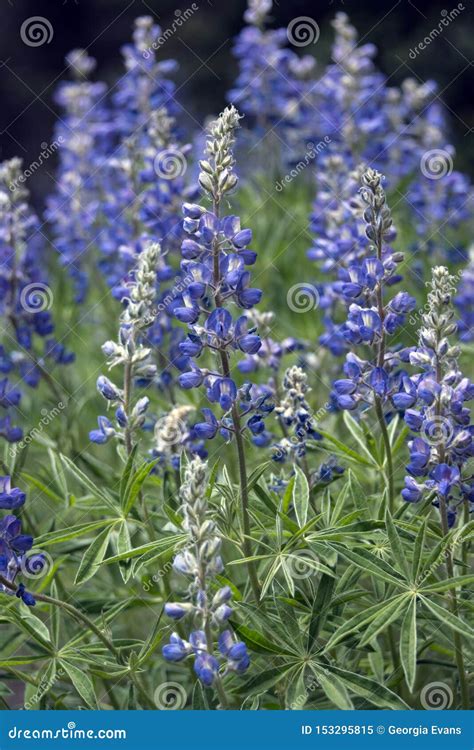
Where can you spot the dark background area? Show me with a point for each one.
(202, 46)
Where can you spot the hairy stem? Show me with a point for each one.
(453, 602)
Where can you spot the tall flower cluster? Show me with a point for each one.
(143, 177)
(14, 545)
(296, 417)
(84, 132)
(438, 414)
(371, 318)
(132, 354)
(28, 344)
(216, 257)
(274, 87)
(207, 607)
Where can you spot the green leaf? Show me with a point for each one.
(258, 642)
(449, 583)
(91, 486)
(333, 688)
(93, 556)
(378, 694)
(387, 614)
(447, 618)
(345, 450)
(160, 546)
(55, 616)
(45, 681)
(288, 495)
(135, 485)
(355, 623)
(418, 550)
(44, 488)
(396, 546)
(31, 624)
(82, 682)
(408, 639)
(72, 532)
(296, 692)
(358, 434)
(373, 565)
(265, 680)
(300, 496)
(320, 607)
(127, 472)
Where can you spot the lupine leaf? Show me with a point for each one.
(93, 556)
(378, 694)
(82, 682)
(408, 641)
(300, 496)
(448, 618)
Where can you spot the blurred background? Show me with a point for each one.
(203, 48)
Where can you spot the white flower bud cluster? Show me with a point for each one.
(438, 322)
(217, 176)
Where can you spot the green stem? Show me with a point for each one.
(458, 647)
(244, 495)
(388, 453)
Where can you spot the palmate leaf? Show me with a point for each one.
(408, 641)
(449, 583)
(45, 680)
(81, 681)
(361, 438)
(355, 623)
(372, 565)
(397, 547)
(377, 694)
(93, 556)
(259, 643)
(296, 695)
(448, 618)
(263, 681)
(344, 450)
(72, 532)
(387, 615)
(91, 486)
(135, 484)
(160, 546)
(320, 609)
(300, 496)
(333, 688)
